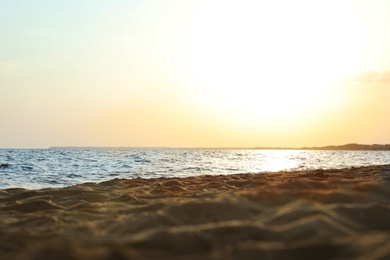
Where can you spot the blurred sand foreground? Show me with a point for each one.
(332, 214)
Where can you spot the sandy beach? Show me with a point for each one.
(321, 214)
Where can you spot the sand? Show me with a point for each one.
(321, 214)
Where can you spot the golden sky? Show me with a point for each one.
(194, 73)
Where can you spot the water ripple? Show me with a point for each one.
(63, 167)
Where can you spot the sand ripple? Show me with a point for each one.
(322, 214)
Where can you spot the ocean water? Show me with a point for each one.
(42, 168)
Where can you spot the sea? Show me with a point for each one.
(61, 167)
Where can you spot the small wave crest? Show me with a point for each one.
(27, 168)
(4, 165)
(196, 169)
(142, 161)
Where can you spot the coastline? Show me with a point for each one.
(345, 147)
(340, 213)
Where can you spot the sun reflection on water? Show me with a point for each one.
(277, 160)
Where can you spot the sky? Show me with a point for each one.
(194, 73)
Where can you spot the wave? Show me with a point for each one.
(94, 166)
(5, 165)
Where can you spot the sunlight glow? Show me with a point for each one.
(194, 73)
(277, 160)
(285, 64)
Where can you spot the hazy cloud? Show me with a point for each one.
(38, 31)
(370, 77)
(8, 67)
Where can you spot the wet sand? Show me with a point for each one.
(321, 214)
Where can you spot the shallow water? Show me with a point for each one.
(42, 168)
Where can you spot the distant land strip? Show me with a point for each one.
(346, 147)
(352, 146)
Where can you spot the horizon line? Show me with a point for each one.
(356, 145)
(350, 145)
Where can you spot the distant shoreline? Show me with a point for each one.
(345, 147)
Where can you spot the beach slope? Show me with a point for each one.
(321, 214)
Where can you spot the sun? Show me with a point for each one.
(274, 58)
